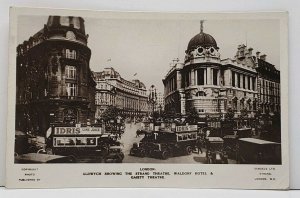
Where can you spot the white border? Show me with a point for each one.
(231, 176)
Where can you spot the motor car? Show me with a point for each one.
(215, 153)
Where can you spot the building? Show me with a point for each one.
(160, 102)
(54, 80)
(268, 85)
(113, 90)
(209, 84)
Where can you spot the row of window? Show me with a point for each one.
(239, 80)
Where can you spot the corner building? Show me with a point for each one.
(209, 84)
(54, 80)
(130, 97)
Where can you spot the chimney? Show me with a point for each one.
(263, 57)
(257, 54)
(250, 51)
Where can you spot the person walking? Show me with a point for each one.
(199, 145)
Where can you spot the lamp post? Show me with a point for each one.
(152, 99)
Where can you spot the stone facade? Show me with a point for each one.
(54, 80)
(212, 85)
(130, 97)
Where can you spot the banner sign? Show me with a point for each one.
(78, 131)
(186, 128)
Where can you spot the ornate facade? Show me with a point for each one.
(209, 84)
(129, 97)
(268, 86)
(54, 80)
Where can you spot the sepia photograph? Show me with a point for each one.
(92, 90)
(145, 99)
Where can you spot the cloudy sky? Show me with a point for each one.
(147, 47)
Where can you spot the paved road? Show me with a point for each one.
(129, 137)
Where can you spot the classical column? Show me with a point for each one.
(196, 77)
(179, 78)
(209, 76)
(242, 81)
(218, 77)
(192, 77)
(236, 80)
(246, 82)
(205, 77)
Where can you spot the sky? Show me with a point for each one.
(148, 46)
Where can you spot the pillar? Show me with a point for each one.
(179, 78)
(236, 80)
(192, 77)
(196, 77)
(242, 81)
(209, 76)
(218, 77)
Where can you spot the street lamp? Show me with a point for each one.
(152, 99)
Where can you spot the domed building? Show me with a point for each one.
(54, 80)
(209, 84)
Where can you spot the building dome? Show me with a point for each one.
(202, 39)
(66, 21)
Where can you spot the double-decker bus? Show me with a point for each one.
(84, 144)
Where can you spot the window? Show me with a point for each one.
(215, 76)
(71, 89)
(200, 76)
(249, 85)
(253, 83)
(71, 54)
(70, 72)
(233, 79)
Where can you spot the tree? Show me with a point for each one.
(244, 113)
(229, 114)
(192, 116)
(111, 113)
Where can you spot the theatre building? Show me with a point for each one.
(210, 84)
(130, 97)
(54, 80)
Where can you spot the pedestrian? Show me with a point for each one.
(199, 145)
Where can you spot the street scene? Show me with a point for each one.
(88, 94)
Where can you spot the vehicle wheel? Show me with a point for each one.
(165, 155)
(225, 161)
(188, 150)
(131, 152)
(122, 155)
(72, 159)
(119, 158)
(41, 151)
(142, 153)
(49, 151)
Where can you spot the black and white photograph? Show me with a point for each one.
(146, 99)
(147, 91)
